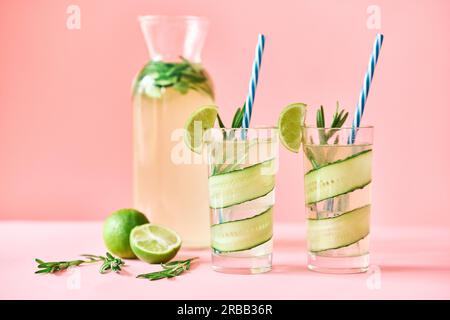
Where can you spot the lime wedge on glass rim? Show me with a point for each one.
(290, 123)
(154, 244)
(200, 121)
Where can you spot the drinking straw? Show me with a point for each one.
(251, 92)
(253, 81)
(366, 86)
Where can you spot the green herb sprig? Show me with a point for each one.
(325, 134)
(339, 118)
(182, 76)
(109, 263)
(237, 119)
(238, 116)
(235, 124)
(170, 270)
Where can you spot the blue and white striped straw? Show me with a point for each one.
(366, 87)
(253, 81)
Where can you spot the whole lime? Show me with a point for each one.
(117, 228)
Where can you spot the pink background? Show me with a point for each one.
(65, 110)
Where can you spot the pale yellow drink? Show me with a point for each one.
(168, 187)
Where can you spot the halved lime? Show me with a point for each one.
(290, 124)
(200, 120)
(154, 243)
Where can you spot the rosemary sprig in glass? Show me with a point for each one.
(109, 263)
(339, 118)
(238, 116)
(170, 270)
(235, 124)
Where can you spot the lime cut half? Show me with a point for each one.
(154, 244)
(290, 124)
(200, 120)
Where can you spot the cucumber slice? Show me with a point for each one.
(340, 231)
(235, 187)
(340, 177)
(242, 234)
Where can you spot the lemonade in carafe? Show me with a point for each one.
(169, 184)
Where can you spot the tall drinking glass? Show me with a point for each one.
(338, 177)
(242, 168)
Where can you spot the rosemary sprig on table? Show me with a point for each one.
(109, 263)
(170, 270)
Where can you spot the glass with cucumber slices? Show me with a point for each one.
(337, 180)
(241, 181)
(242, 166)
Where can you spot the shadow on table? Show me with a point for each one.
(296, 245)
(289, 269)
(414, 268)
(125, 272)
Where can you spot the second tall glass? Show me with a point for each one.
(338, 175)
(242, 168)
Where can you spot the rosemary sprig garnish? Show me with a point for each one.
(235, 124)
(320, 118)
(238, 116)
(170, 270)
(109, 263)
(219, 120)
(339, 118)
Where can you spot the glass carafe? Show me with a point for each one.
(170, 181)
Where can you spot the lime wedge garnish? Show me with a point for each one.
(290, 124)
(200, 120)
(154, 244)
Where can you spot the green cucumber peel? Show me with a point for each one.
(242, 169)
(243, 234)
(242, 185)
(244, 201)
(340, 231)
(337, 178)
(337, 161)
